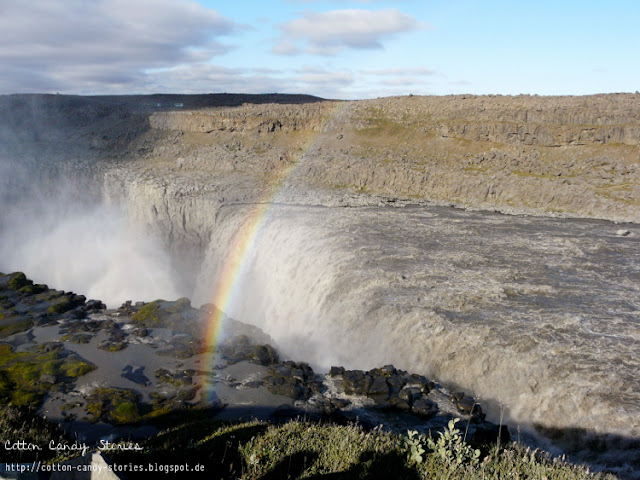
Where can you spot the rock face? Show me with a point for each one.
(567, 156)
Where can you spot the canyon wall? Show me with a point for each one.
(566, 156)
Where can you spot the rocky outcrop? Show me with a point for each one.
(559, 156)
(252, 119)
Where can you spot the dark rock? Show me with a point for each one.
(335, 371)
(379, 387)
(293, 391)
(95, 305)
(261, 355)
(410, 394)
(350, 377)
(77, 299)
(253, 384)
(141, 332)
(395, 383)
(399, 404)
(388, 370)
(456, 396)
(79, 312)
(424, 408)
(273, 354)
(362, 386)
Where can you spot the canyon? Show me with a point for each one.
(490, 243)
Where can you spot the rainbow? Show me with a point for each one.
(226, 288)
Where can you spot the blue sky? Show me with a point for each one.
(335, 49)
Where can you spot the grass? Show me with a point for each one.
(299, 449)
(24, 424)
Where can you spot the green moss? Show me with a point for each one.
(147, 314)
(33, 289)
(125, 412)
(179, 305)
(15, 326)
(61, 306)
(22, 373)
(76, 368)
(114, 405)
(18, 280)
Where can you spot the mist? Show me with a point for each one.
(61, 235)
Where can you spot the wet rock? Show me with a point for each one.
(291, 379)
(112, 346)
(81, 338)
(264, 355)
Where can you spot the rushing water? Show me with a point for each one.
(539, 315)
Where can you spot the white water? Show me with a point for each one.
(89, 250)
(539, 315)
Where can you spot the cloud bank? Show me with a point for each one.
(104, 44)
(328, 33)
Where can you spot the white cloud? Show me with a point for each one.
(401, 71)
(400, 81)
(100, 46)
(328, 33)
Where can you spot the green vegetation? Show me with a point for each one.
(33, 289)
(25, 424)
(148, 314)
(299, 449)
(63, 304)
(18, 280)
(14, 325)
(308, 449)
(162, 313)
(114, 405)
(25, 377)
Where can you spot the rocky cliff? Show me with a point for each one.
(568, 156)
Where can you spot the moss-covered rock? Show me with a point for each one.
(114, 405)
(33, 289)
(61, 305)
(25, 377)
(18, 280)
(148, 314)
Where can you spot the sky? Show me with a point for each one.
(333, 49)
